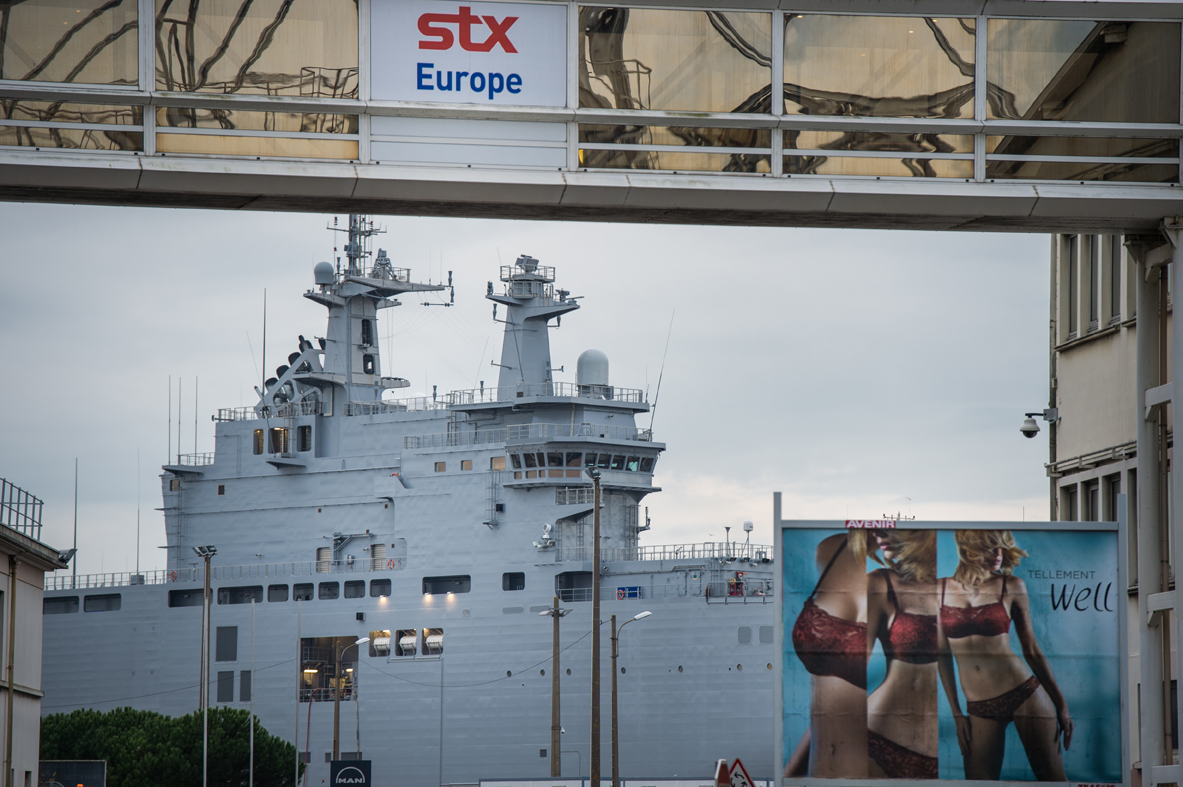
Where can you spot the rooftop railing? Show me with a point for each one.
(519, 433)
(289, 410)
(20, 510)
(196, 460)
(732, 552)
(510, 393)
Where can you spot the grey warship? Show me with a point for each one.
(439, 528)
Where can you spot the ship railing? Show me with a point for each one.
(736, 555)
(222, 573)
(413, 404)
(325, 694)
(20, 510)
(286, 410)
(117, 579)
(575, 390)
(196, 460)
(520, 273)
(519, 433)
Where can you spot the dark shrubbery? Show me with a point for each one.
(145, 748)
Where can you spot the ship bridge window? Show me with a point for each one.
(277, 592)
(355, 588)
(367, 364)
(258, 441)
(604, 461)
(108, 602)
(61, 605)
(302, 591)
(618, 462)
(240, 595)
(513, 580)
(497, 463)
(460, 583)
(328, 590)
(531, 460)
(574, 459)
(632, 464)
(514, 460)
(647, 464)
(303, 438)
(380, 588)
(185, 598)
(554, 459)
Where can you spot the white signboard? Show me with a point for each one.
(468, 52)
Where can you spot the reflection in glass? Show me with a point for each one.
(1083, 71)
(1083, 146)
(878, 66)
(875, 141)
(63, 112)
(72, 138)
(878, 167)
(705, 61)
(675, 135)
(271, 47)
(674, 161)
(1131, 172)
(223, 145)
(229, 119)
(85, 41)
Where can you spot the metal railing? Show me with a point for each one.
(447, 439)
(20, 510)
(510, 393)
(735, 554)
(525, 432)
(196, 460)
(325, 694)
(414, 404)
(221, 573)
(522, 273)
(288, 410)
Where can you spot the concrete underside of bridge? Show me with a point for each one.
(632, 197)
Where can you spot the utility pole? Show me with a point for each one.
(556, 730)
(595, 644)
(337, 695)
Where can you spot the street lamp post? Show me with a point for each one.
(205, 552)
(615, 653)
(594, 765)
(337, 696)
(555, 730)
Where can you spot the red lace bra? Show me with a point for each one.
(988, 620)
(912, 637)
(829, 645)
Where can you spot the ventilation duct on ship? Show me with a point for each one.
(324, 559)
(377, 557)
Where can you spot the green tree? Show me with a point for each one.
(145, 748)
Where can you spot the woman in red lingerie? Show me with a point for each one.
(903, 732)
(978, 604)
(830, 637)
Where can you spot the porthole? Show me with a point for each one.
(739, 667)
(568, 671)
(679, 668)
(542, 672)
(769, 665)
(622, 670)
(508, 674)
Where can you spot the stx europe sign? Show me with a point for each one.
(468, 52)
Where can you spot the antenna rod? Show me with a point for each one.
(665, 352)
(264, 380)
(137, 511)
(196, 380)
(180, 391)
(170, 419)
(74, 559)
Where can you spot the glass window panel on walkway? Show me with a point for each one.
(81, 41)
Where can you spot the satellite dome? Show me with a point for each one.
(323, 273)
(592, 368)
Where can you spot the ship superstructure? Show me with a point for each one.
(438, 527)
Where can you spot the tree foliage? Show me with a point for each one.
(142, 747)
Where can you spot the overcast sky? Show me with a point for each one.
(860, 373)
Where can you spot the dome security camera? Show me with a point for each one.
(1029, 427)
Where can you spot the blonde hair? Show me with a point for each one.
(975, 551)
(916, 559)
(857, 541)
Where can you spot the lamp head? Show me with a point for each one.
(642, 615)
(362, 641)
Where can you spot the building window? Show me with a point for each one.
(465, 464)
(279, 440)
(513, 580)
(108, 602)
(1068, 510)
(379, 588)
(355, 588)
(226, 643)
(1091, 500)
(1093, 271)
(244, 686)
(302, 591)
(277, 592)
(303, 438)
(1112, 490)
(497, 463)
(221, 490)
(226, 686)
(441, 467)
(61, 605)
(1072, 292)
(1114, 278)
(459, 583)
(258, 441)
(328, 590)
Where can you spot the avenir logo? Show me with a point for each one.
(439, 35)
(350, 775)
(870, 524)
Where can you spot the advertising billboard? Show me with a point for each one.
(958, 651)
(469, 52)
